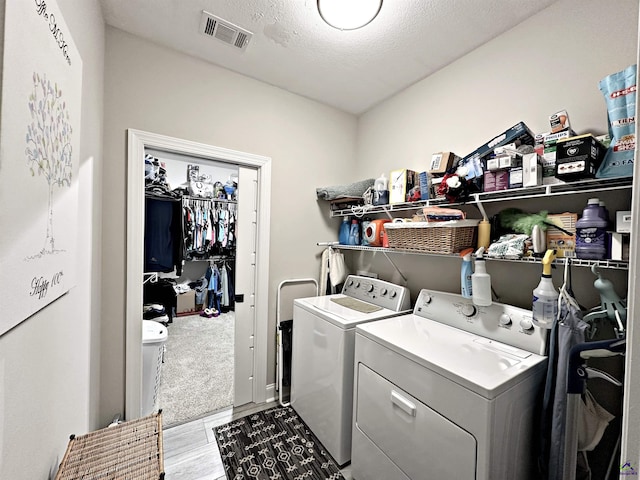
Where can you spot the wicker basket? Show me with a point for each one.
(432, 237)
(130, 450)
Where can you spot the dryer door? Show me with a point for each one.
(419, 441)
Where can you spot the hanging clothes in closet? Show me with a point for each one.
(220, 293)
(209, 227)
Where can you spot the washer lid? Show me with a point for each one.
(484, 366)
(339, 315)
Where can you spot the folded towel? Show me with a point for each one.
(356, 189)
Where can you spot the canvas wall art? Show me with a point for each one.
(39, 159)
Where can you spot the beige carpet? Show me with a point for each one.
(197, 373)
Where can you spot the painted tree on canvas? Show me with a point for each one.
(49, 143)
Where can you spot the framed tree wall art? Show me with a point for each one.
(39, 159)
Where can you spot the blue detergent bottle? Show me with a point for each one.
(591, 232)
(354, 232)
(343, 233)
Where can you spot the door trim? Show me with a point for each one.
(137, 141)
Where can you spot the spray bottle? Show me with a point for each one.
(481, 282)
(545, 295)
(465, 273)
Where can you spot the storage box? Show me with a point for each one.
(559, 121)
(496, 181)
(518, 134)
(425, 186)
(186, 302)
(531, 170)
(578, 157)
(515, 177)
(432, 237)
(442, 161)
(623, 221)
(401, 182)
(550, 142)
(563, 243)
(620, 246)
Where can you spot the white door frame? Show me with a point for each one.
(137, 141)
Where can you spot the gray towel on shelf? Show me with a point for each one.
(356, 189)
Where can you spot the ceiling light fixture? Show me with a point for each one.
(348, 14)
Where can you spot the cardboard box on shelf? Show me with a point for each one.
(425, 185)
(186, 302)
(518, 134)
(559, 121)
(531, 170)
(563, 243)
(578, 157)
(549, 156)
(401, 182)
(620, 246)
(441, 162)
(495, 181)
(623, 221)
(515, 177)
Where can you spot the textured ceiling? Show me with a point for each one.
(294, 49)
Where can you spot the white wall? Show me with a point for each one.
(49, 372)
(155, 89)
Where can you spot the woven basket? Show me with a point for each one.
(432, 237)
(130, 450)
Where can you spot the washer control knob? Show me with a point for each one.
(350, 282)
(526, 324)
(358, 285)
(370, 288)
(468, 310)
(383, 291)
(393, 294)
(427, 299)
(505, 320)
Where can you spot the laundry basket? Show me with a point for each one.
(130, 450)
(432, 237)
(154, 336)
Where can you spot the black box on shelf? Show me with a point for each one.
(578, 157)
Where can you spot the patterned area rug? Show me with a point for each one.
(273, 444)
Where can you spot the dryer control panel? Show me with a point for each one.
(500, 322)
(378, 292)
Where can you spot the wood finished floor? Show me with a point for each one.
(191, 451)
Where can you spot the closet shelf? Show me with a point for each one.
(581, 187)
(578, 262)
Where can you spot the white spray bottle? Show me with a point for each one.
(481, 282)
(545, 295)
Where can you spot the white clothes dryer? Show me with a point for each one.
(323, 350)
(449, 391)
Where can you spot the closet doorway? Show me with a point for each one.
(250, 323)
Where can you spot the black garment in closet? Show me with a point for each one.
(161, 292)
(163, 236)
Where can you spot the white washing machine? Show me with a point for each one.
(322, 354)
(448, 391)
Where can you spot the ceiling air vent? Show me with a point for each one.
(224, 31)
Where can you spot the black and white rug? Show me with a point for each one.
(273, 444)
